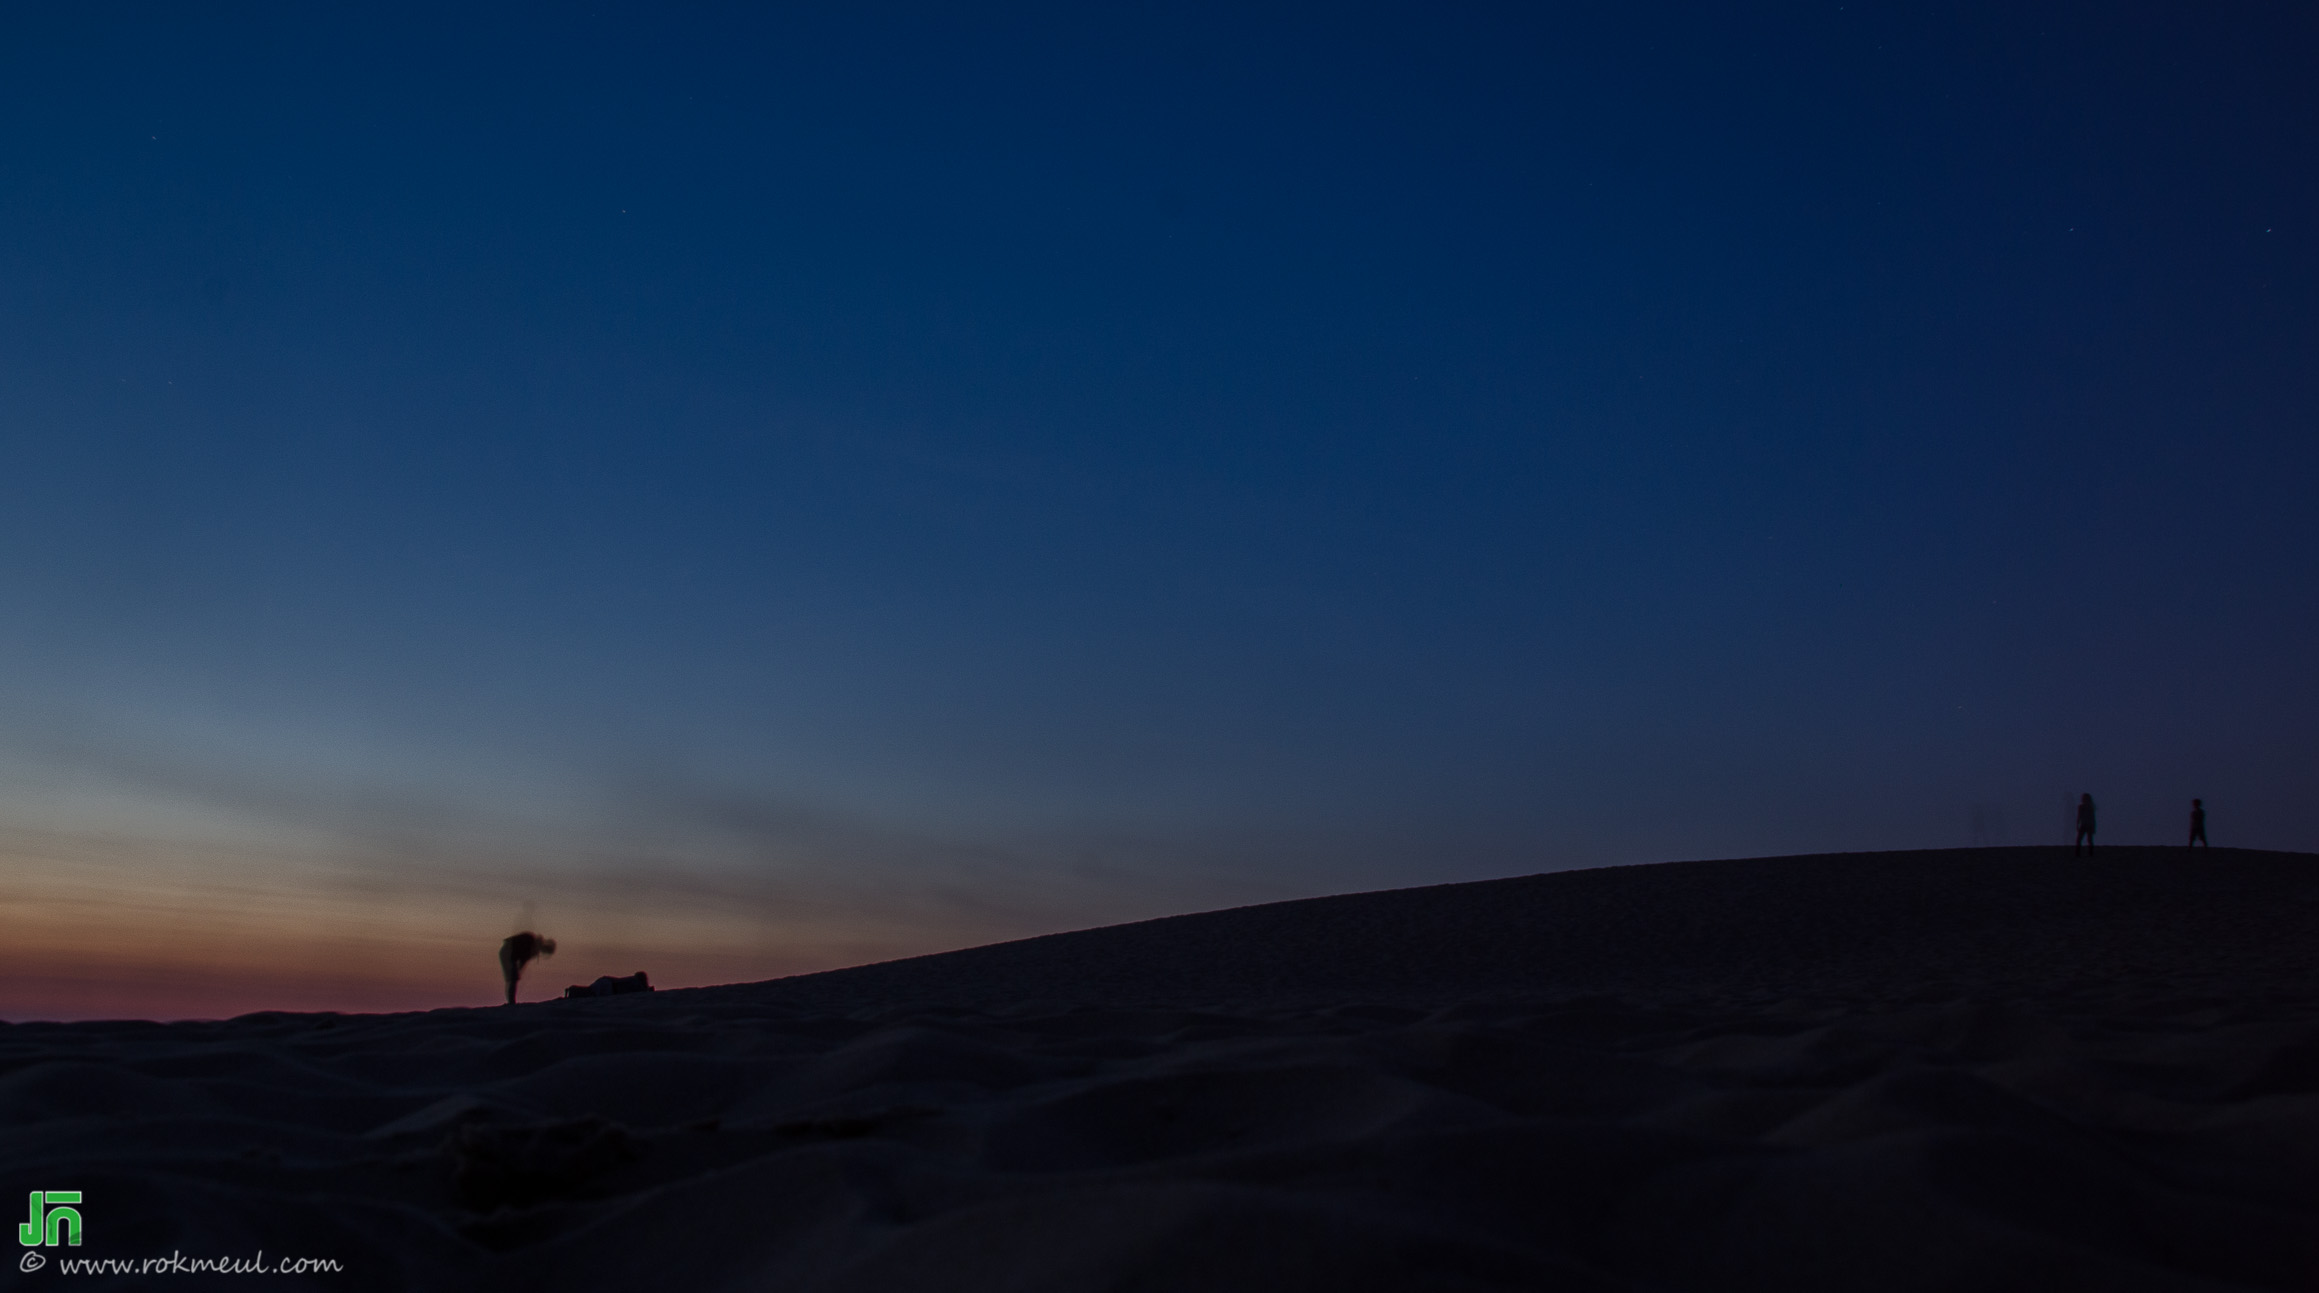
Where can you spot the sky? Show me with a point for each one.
(746, 490)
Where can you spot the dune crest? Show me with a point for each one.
(1987, 1069)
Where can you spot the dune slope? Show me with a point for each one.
(1986, 1069)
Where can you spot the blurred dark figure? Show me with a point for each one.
(519, 951)
(611, 986)
(2197, 824)
(2085, 826)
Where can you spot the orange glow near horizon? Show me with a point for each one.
(136, 942)
(68, 973)
(128, 906)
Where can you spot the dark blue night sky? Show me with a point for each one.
(749, 493)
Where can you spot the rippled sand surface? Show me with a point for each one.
(1987, 1069)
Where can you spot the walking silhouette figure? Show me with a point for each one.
(518, 952)
(2197, 824)
(2085, 826)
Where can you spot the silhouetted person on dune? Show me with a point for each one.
(518, 952)
(609, 985)
(2197, 824)
(2085, 826)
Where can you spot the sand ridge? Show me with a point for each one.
(1986, 1069)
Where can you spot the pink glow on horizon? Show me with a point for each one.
(89, 984)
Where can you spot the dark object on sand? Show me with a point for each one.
(2085, 826)
(610, 986)
(2197, 824)
(518, 951)
(501, 1166)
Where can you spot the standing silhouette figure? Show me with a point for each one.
(2197, 824)
(2085, 826)
(518, 952)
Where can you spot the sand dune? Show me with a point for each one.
(1991, 1069)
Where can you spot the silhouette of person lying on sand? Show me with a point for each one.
(519, 951)
(2197, 824)
(2085, 826)
(611, 986)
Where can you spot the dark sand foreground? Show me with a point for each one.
(1988, 1069)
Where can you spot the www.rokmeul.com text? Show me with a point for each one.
(178, 1263)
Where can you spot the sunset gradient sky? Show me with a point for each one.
(749, 493)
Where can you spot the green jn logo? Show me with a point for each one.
(63, 1224)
